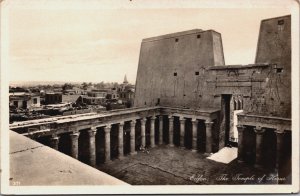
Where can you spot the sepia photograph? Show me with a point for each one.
(149, 97)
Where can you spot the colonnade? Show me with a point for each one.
(54, 140)
(259, 131)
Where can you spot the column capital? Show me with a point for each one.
(54, 136)
(107, 128)
(143, 120)
(75, 134)
(208, 123)
(73, 129)
(92, 131)
(171, 117)
(153, 117)
(182, 119)
(194, 120)
(240, 128)
(259, 130)
(54, 140)
(279, 131)
(133, 122)
(121, 123)
(93, 128)
(108, 125)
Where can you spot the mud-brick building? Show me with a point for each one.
(24, 100)
(187, 69)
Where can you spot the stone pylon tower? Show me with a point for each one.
(172, 67)
(274, 47)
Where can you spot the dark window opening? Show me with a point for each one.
(35, 101)
(279, 70)
(175, 73)
(145, 103)
(198, 36)
(176, 40)
(239, 105)
(16, 103)
(24, 104)
(280, 22)
(184, 95)
(197, 73)
(158, 101)
(280, 25)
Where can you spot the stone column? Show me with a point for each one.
(152, 132)
(194, 135)
(182, 130)
(74, 144)
(171, 130)
(143, 131)
(107, 129)
(132, 138)
(258, 155)
(279, 147)
(120, 141)
(54, 140)
(92, 146)
(160, 140)
(241, 130)
(208, 128)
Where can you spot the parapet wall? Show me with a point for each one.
(32, 163)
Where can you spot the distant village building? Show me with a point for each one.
(92, 100)
(78, 91)
(57, 89)
(53, 98)
(112, 94)
(126, 92)
(24, 100)
(94, 97)
(97, 93)
(74, 91)
(69, 92)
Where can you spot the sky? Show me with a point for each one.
(101, 43)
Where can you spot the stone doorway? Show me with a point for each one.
(237, 105)
(225, 120)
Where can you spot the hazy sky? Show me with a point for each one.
(94, 44)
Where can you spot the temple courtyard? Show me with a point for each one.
(164, 165)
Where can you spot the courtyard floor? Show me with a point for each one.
(164, 165)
